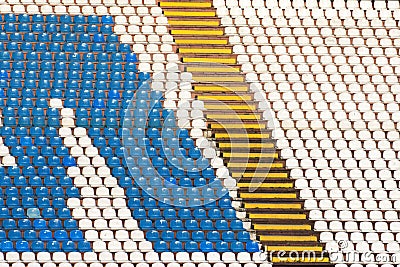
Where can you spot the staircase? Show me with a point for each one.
(264, 187)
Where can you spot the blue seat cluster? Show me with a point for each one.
(33, 211)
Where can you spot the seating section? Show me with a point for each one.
(171, 133)
(171, 189)
(328, 70)
(34, 184)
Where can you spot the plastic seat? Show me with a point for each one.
(84, 246)
(252, 246)
(161, 246)
(30, 235)
(6, 246)
(237, 246)
(14, 235)
(68, 246)
(152, 235)
(39, 224)
(37, 246)
(61, 235)
(222, 246)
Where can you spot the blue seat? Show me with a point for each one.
(199, 214)
(49, 213)
(76, 235)
(112, 38)
(154, 214)
(14, 235)
(161, 246)
(146, 224)
(206, 225)
(6, 246)
(84, 246)
(68, 246)
(237, 246)
(24, 224)
(70, 224)
(191, 224)
(55, 224)
(198, 236)
(36, 18)
(236, 225)
(152, 235)
(252, 246)
(176, 246)
(39, 224)
(221, 225)
(191, 246)
(183, 236)
(213, 236)
(18, 213)
(30, 235)
(9, 224)
(215, 213)
(22, 246)
(176, 225)
(61, 235)
(37, 246)
(51, 18)
(222, 246)
(206, 246)
(243, 236)
(107, 20)
(228, 236)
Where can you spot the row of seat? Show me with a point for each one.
(51, 18)
(382, 205)
(338, 4)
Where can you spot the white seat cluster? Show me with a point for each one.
(328, 70)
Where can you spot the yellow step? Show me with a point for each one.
(205, 50)
(194, 32)
(250, 155)
(252, 175)
(225, 97)
(238, 126)
(231, 107)
(306, 258)
(267, 185)
(283, 216)
(170, 13)
(234, 116)
(295, 248)
(212, 23)
(294, 206)
(268, 195)
(213, 69)
(238, 78)
(247, 145)
(282, 227)
(254, 165)
(288, 238)
(201, 41)
(219, 88)
(233, 135)
(209, 60)
(185, 4)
